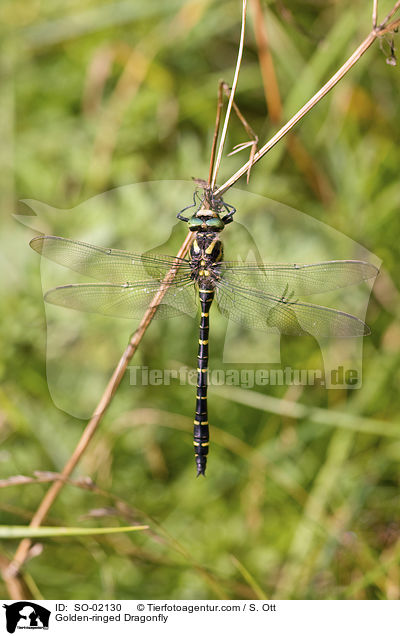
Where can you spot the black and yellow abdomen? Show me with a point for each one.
(206, 254)
(200, 430)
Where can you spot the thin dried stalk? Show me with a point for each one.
(254, 138)
(216, 128)
(384, 23)
(232, 95)
(375, 14)
(393, 26)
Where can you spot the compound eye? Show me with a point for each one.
(194, 223)
(215, 224)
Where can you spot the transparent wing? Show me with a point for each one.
(125, 301)
(270, 313)
(300, 280)
(112, 266)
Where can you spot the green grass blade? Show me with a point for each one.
(318, 415)
(20, 532)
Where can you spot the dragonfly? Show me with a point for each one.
(262, 296)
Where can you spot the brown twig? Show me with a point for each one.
(254, 138)
(384, 23)
(240, 116)
(390, 27)
(223, 87)
(216, 128)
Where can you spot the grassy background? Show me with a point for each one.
(97, 95)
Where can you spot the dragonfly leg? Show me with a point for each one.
(284, 295)
(230, 212)
(287, 296)
(192, 205)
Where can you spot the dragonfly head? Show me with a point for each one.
(206, 220)
(212, 213)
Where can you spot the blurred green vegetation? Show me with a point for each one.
(297, 503)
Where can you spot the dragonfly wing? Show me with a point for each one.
(125, 301)
(270, 313)
(104, 264)
(300, 280)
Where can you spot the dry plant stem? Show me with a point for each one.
(254, 138)
(243, 121)
(384, 23)
(91, 427)
(232, 95)
(375, 14)
(364, 46)
(216, 129)
(390, 27)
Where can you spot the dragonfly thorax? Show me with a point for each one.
(206, 253)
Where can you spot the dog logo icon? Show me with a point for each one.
(26, 615)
